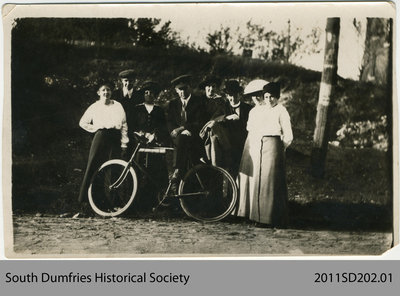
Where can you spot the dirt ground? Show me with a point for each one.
(43, 236)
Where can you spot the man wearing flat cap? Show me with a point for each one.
(228, 134)
(128, 94)
(129, 97)
(185, 119)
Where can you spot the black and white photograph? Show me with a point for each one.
(188, 130)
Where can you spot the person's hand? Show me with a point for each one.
(140, 133)
(176, 132)
(210, 124)
(150, 137)
(286, 145)
(232, 117)
(186, 133)
(140, 136)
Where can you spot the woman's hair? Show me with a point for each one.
(274, 88)
(103, 82)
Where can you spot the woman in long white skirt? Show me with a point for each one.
(262, 174)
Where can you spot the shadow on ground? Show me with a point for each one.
(336, 216)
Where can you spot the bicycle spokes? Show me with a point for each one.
(207, 193)
(112, 189)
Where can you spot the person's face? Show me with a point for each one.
(104, 93)
(127, 83)
(233, 98)
(270, 100)
(149, 96)
(210, 90)
(257, 98)
(183, 91)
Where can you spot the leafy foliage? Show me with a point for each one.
(144, 33)
(362, 134)
(220, 41)
(277, 46)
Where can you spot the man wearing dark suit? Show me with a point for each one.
(129, 97)
(185, 119)
(229, 133)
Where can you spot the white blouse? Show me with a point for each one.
(99, 116)
(149, 107)
(267, 121)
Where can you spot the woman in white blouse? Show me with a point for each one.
(106, 119)
(262, 174)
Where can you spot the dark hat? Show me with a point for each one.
(151, 85)
(181, 81)
(274, 88)
(232, 87)
(130, 74)
(209, 80)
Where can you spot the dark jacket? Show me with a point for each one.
(129, 106)
(214, 107)
(153, 122)
(236, 129)
(128, 103)
(195, 115)
(228, 110)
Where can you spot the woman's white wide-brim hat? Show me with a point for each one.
(255, 86)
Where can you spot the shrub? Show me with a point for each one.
(363, 134)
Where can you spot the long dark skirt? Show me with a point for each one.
(104, 142)
(262, 182)
(226, 146)
(156, 167)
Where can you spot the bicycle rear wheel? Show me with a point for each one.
(107, 200)
(207, 193)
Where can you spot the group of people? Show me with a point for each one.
(223, 130)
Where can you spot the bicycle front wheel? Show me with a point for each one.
(106, 197)
(207, 193)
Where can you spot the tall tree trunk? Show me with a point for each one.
(287, 45)
(328, 80)
(376, 51)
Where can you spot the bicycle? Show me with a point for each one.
(206, 193)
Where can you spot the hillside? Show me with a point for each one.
(53, 83)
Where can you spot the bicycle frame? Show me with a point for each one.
(132, 163)
(124, 173)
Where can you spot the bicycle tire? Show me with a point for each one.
(112, 202)
(219, 193)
